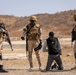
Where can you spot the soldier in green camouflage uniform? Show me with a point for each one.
(33, 35)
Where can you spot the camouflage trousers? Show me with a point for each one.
(31, 45)
(75, 46)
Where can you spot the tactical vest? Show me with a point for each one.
(33, 32)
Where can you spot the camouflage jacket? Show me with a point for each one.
(32, 33)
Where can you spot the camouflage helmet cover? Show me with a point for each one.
(74, 17)
(33, 18)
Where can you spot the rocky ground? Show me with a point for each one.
(16, 62)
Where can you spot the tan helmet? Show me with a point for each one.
(33, 18)
(74, 17)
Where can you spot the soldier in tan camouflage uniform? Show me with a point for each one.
(2, 36)
(33, 35)
(74, 39)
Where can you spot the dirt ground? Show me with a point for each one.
(16, 62)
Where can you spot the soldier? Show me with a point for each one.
(74, 39)
(33, 40)
(2, 36)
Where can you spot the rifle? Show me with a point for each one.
(8, 40)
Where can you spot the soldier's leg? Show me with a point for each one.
(1, 65)
(75, 58)
(59, 62)
(0, 61)
(30, 59)
(30, 50)
(38, 58)
(75, 52)
(35, 44)
(0, 56)
(74, 55)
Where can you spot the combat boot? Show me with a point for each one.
(39, 65)
(31, 65)
(1, 69)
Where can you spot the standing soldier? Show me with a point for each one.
(2, 36)
(74, 39)
(33, 40)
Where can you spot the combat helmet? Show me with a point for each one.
(33, 18)
(74, 17)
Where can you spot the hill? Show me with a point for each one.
(61, 23)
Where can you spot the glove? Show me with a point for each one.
(22, 38)
(39, 46)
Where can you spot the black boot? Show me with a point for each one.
(1, 69)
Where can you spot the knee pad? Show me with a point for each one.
(75, 55)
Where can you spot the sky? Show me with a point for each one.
(23, 8)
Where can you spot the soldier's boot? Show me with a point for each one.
(31, 65)
(2, 69)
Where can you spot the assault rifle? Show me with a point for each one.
(8, 40)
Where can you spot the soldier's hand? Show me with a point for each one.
(22, 38)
